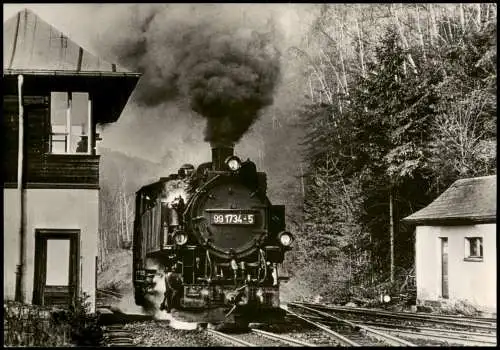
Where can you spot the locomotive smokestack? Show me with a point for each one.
(220, 152)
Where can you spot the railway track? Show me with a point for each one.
(282, 338)
(344, 332)
(115, 335)
(417, 328)
(259, 338)
(232, 340)
(118, 333)
(317, 327)
(487, 324)
(458, 338)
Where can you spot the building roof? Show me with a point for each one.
(32, 45)
(50, 61)
(472, 200)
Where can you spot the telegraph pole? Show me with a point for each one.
(391, 232)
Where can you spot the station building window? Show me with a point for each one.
(70, 121)
(474, 248)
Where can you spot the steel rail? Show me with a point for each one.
(282, 338)
(438, 318)
(442, 337)
(391, 340)
(343, 340)
(418, 328)
(389, 326)
(231, 339)
(473, 322)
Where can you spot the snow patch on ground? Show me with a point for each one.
(176, 324)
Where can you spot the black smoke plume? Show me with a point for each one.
(198, 54)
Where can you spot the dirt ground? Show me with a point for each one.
(117, 272)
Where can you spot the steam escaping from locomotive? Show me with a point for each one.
(223, 66)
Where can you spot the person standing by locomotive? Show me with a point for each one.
(173, 289)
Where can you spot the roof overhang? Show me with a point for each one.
(450, 221)
(110, 91)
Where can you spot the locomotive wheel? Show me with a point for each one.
(231, 327)
(241, 323)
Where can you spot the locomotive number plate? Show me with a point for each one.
(232, 219)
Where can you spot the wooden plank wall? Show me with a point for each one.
(40, 166)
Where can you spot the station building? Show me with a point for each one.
(54, 93)
(455, 252)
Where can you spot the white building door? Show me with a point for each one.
(444, 267)
(56, 267)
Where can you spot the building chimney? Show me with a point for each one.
(220, 152)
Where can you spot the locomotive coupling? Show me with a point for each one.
(234, 265)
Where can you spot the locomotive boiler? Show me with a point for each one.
(216, 239)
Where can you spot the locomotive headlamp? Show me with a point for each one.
(180, 238)
(233, 163)
(286, 238)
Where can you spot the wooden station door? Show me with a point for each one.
(57, 261)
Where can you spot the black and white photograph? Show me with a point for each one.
(249, 174)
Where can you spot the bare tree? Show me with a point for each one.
(361, 47)
(461, 140)
(403, 38)
(420, 33)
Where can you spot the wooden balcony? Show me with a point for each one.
(56, 171)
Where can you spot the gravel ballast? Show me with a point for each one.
(159, 333)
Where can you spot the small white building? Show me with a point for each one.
(455, 244)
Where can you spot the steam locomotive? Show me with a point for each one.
(216, 239)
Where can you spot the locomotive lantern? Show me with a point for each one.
(214, 236)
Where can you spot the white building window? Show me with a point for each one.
(474, 248)
(70, 121)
